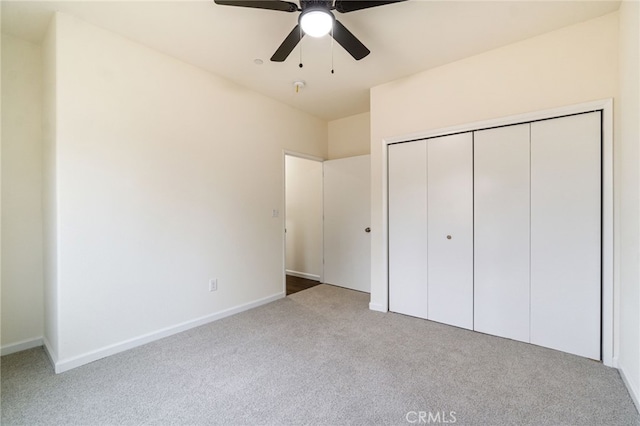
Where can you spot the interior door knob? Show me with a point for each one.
(448, 237)
(367, 229)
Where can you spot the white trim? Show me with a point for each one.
(634, 393)
(615, 363)
(303, 275)
(302, 155)
(609, 325)
(377, 307)
(53, 358)
(608, 322)
(23, 345)
(77, 361)
(505, 121)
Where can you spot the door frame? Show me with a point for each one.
(304, 156)
(610, 327)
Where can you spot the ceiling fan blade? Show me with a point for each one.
(288, 44)
(345, 6)
(283, 6)
(350, 43)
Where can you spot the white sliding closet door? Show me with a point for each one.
(501, 231)
(565, 234)
(407, 174)
(450, 229)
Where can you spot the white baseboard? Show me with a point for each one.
(63, 365)
(53, 357)
(377, 307)
(635, 393)
(303, 275)
(20, 346)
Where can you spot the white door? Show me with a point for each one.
(407, 186)
(347, 215)
(450, 229)
(501, 231)
(566, 233)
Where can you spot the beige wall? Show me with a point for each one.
(22, 280)
(49, 197)
(629, 188)
(568, 66)
(166, 176)
(349, 136)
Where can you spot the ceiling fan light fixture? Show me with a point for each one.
(316, 22)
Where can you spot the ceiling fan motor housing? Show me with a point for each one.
(316, 4)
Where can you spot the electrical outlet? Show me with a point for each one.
(213, 284)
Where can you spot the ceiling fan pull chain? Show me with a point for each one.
(301, 34)
(332, 49)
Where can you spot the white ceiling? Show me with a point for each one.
(404, 38)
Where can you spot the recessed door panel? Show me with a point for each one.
(501, 231)
(450, 229)
(407, 173)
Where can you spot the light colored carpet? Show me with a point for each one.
(319, 357)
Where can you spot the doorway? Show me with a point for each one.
(303, 222)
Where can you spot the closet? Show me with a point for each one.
(499, 231)
(432, 179)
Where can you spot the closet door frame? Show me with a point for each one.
(609, 326)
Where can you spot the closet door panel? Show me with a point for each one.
(566, 234)
(407, 189)
(501, 231)
(450, 229)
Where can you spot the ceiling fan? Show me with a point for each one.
(316, 20)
